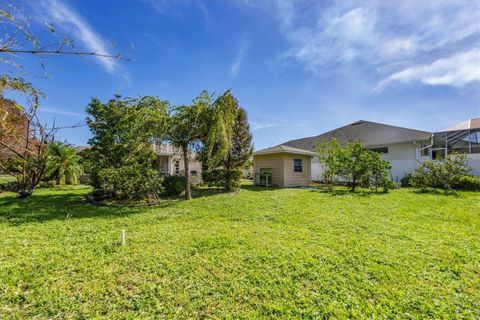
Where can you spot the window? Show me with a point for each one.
(177, 167)
(297, 165)
(380, 150)
(193, 173)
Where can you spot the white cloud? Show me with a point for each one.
(77, 26)
(457, 70)
(242, 50)
(387, 36)
(60, 112)
(263, 125)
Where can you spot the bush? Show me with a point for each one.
(440, 174)
(127, 183)
(470, 183)
(405, 181)
(227, 179)
(174, 185)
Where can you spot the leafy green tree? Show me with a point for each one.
(378, 174)
(354, 164)
(121, 157)
(207, 123)
(226, 172)
(63, 164)
(330, 157)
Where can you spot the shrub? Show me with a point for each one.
(174, 185)
(405, 182)
(470, 183)
(127, 183)
(441, 174)
(229, 180)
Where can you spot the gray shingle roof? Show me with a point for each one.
(366, 132)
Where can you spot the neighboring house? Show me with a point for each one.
(170, 161)
(404, 148)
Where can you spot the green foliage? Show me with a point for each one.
(121, 158)
(208, 124)
(441, 173)
(173, 185)
(470, 183)
(228, 179)
(405, 182)
(355, 165)
(129, 183)
(63, 164)
(276, 253)
(225, 172)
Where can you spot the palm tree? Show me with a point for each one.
(63, 164)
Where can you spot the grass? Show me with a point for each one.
(277, 253)
(4, 178)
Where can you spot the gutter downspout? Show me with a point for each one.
(426, 147)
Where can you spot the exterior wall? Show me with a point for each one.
(169, 156)
(283, 169)
(295, 179)
(273, 161)
(474, 163)
(402, 158)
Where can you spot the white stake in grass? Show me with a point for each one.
(122, 241)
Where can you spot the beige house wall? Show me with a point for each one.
(282, 166)
(273, 161)
(295, 179)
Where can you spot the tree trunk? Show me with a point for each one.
(188, 194)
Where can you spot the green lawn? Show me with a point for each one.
(6, 178)
(285, 253)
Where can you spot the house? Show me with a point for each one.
(170, 161)
(283, 166)
(404, 148)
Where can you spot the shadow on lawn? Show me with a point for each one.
(41, 207)
(343, 191)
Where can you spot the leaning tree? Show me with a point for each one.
(207, 123)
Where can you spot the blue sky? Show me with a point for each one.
(299, 68)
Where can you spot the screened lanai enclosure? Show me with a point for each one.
(462, 138)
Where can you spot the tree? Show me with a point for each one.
(63, 165)
(23, 139)
(227, 171)
(207, 123)
(121, 157)
(378, 174)
(354, 164)
(18, 38)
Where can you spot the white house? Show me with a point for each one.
(170, 161)
(404, 148)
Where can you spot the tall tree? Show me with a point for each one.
(121, 157)
(208, 123)
(226, 171)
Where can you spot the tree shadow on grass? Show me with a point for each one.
(62, 205)
(251, 187)
(437, 192)
(343, 191)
